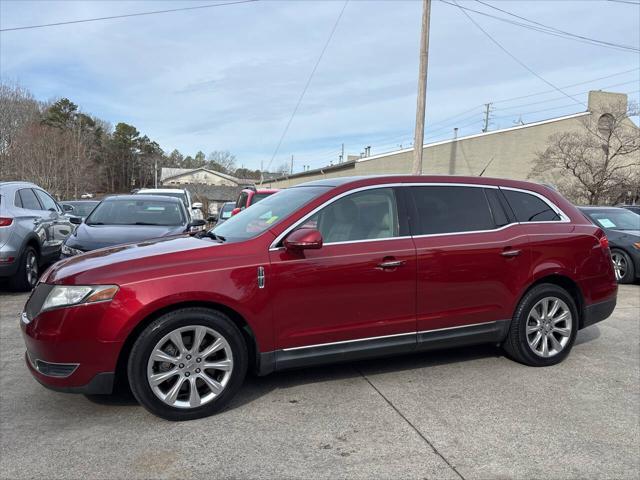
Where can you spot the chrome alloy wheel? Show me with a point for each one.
(619, 265)
(190, 366)
(549, 327)
(31, 266)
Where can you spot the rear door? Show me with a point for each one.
(472, 257)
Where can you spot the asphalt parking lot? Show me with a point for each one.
(468, 413)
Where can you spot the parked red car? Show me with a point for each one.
(251, 195)
(334, 270)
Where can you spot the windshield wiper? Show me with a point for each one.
(211, 235)
(95, 223)
(146, 223)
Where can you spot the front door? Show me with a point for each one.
(359, 289)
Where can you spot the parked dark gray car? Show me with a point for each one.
(32, 230)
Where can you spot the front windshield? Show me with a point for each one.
(259, 217)
(617, 219)
(137, 212)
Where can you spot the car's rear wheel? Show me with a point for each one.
(622, 266)
(187, 364)
(544, 326)
(28, 271)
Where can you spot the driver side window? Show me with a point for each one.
(366, 215)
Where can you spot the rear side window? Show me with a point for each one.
(47, 202)
(529, 208)
(451, 209)
(29, 200)
(17, 200)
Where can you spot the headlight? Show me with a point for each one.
(70, 252)
(64, 296)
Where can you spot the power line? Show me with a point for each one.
(521, 63)
(567, 86)
(112, 17)
(637, 4)
(550, 30)
(306, 86)
(560, 98)
(557, 29)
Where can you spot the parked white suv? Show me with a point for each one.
(194, 209)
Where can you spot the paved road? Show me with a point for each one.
(469, 413)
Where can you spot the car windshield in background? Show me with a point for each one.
(616, 219)
(82, 209)
(137, 212)
(225, 213)
(254, 220)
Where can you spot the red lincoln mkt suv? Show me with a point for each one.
(328, 271)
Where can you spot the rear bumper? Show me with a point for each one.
(597, 312)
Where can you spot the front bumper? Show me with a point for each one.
(64, 348)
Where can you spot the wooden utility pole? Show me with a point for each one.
(422, 88)
(487, 111)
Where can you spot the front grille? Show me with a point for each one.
(37, 298)
(60, 370)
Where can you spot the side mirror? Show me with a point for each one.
(304, 239)
(197, 205)
(75, 220)
(212, 218)
(196, 223)
(67, 208)
(235, 211)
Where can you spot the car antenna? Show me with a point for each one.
(486, 166)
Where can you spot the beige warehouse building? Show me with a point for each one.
(505, 153)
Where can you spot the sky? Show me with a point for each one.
(229, 77)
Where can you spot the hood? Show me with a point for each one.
(91, 237)
(127, 261)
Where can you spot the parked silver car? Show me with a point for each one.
(32, 229)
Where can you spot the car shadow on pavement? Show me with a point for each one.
(256, 387)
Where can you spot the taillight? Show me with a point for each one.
(604, 241)
(5, 222)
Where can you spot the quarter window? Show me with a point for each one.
(366, 215)
(529, 208)
(450, 210)
(47, 202)
(29, 200)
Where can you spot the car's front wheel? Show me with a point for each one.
(544, 326)
(187, 364)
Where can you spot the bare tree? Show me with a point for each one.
(222, 161)
(597, 163)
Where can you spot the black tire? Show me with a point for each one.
(156, 331)
(22, 280)
(629, 273)
(516, 344)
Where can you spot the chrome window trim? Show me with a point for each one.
(564, 218)
(341, 342)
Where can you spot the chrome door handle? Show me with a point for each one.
(510, 253)
(392, 264)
